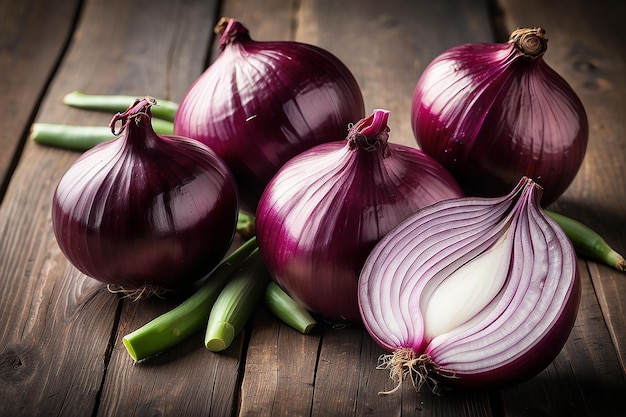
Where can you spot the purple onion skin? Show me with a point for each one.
(144, 210)
(261, 103)
(324, 211)
(491, 115)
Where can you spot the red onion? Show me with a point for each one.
(145, 212)
(492, 113)
(261, 103)
(474, 292)
(326, 208)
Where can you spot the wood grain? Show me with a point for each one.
(57, 324)
(279, 378)
(32, 39)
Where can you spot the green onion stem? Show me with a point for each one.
(246, 225)
(589, 243)
(287, 309)
(82, 138)
(189, 317)
(236, 303)
(165, 109)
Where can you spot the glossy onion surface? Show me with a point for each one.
(146, 210)
(474, 292)
(326, 208)
(492, 113)
(261, 103)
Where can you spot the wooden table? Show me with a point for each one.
(60, 332)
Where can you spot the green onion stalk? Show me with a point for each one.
(165, 109)
(82, 138)
(236, 303)
(288, 310)
(189, 317)
(589, 243)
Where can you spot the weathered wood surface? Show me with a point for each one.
(60, 332)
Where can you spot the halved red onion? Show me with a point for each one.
(261, 103)
(145, 212)
(326, 208)
(475, 292)
(494, 112)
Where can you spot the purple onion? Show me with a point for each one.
(492, 113)
(145, 212)
(261, 103)
(472, 292)
(326, 208)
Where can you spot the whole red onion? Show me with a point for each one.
(492, 113)
(261, 103)
(326, 208)
(145, 212)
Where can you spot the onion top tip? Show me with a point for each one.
(532, 42)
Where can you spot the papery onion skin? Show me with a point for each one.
(326, 208)
(261, 103)
(146, 211)
(492, 113)
(517, 333)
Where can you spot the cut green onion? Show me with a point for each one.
(165, 109)
(189, 317)
(236, 303)
(589, 243)
(82, 138)
(246, 225)
(287, 309)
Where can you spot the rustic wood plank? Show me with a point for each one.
(586, 47)
(611, 292)
(32, 38)
(279, 375)
(185, 380)
(57, 324)
(47, 332)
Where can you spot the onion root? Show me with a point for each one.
(405, 363)
(136, 294)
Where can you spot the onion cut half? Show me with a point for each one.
(473, 292)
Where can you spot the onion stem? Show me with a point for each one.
(82, 138)
(176, 325)
(165, 109)
(236, 303)
(287, 309)
(589, 243)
